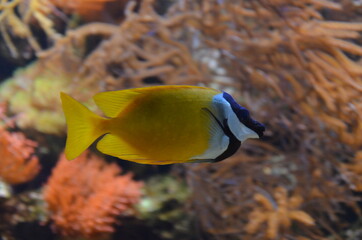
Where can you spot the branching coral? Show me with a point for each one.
(222, 191)
(293, 63)
(139, 52)
(310, 62)
(232, 210)
(19, 18)
(86, 195)
(277, 214)
(296, 65)
(11, 24)
(18, 164)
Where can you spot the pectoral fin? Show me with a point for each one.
(215, 126)
(218, 141)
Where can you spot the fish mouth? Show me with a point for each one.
(257, 127)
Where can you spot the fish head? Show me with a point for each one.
(240, 122)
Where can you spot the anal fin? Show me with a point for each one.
(115, 146)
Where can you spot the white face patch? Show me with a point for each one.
(217, 145)
(219, 142)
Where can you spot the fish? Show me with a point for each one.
(160, 125)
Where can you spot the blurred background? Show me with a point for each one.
(296, 65)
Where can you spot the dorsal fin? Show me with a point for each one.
(113, 102)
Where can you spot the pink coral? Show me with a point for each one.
(86, 195)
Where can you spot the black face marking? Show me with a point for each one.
(244, 115)
(233, 146)
(234, 143)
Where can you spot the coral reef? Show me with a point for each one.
(140, 51)
(296, 65)
(252, 188)
(18, 164)
(290, 47)
(86, 195)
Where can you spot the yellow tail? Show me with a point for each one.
(84, 127)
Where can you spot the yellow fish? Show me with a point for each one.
(160, 125)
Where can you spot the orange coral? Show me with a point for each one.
(88, 9)
(86, 195)
(277, 214)
(17, 162)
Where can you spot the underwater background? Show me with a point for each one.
(296, 65)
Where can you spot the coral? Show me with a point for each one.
(277, 214)
(141, 51)
(236, 191)
(18, 164)
(86, 195)
(221, 192)
(22, 20)
(18, 25)
(33, 95)
(89, 9)
(290, 51)
(296, 66)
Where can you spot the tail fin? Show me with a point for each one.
(84, 127)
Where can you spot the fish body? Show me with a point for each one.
(160, 125)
